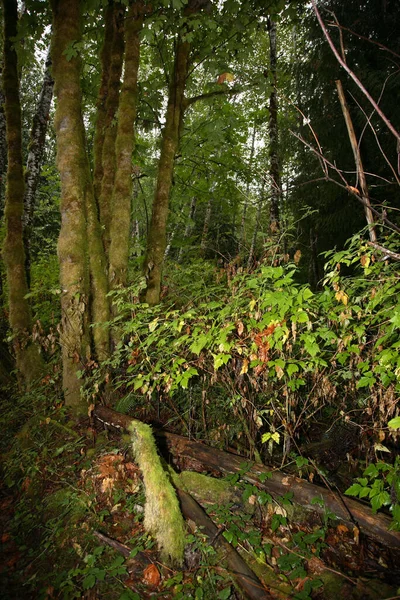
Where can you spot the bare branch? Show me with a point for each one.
(388, 253)
(353, 75)
(357, 159)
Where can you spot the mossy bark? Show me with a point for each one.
(157, 237)
(101, 112)
(27, 354)
(162, 517)
(124, 145)
(72, 164)
(110, 127)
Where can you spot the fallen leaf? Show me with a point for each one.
(151, 576)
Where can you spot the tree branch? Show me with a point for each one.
(353, 75)
(229, 92)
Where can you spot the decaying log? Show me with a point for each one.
(348, 510)
(237, 567)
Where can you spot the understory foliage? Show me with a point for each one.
(264, 351)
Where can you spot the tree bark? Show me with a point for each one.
(35, 158)
(110, 127)
(3, 149)
(27, 354)
(101, 112)
(71, 162)
(274, 156)
(157, 238)
(124, 146)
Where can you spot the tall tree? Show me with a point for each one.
(124, 145)
(157, 236)
(71, 162)
(27, 354)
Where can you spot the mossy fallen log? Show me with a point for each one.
(162, 515)
(204, 458)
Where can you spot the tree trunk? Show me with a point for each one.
(157, 238)
(101, 111)
(206, 227)
(3, 150)
(124, 145)
(189, 226)
(71, 162)
(27, 354)
(256, 226)
(274, 156)
(110, 127)
(242, 241)
(35, 157)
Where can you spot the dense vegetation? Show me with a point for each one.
(200, 230)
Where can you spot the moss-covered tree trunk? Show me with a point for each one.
(101, 112)
(122, 192)
(157, 238)
(108, 158)
(27, 354)
(71, 162)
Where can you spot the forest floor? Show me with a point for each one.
(71, 519)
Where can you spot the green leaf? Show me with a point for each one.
(353, 490)
(89, 581)
(221, 359)
(225, 593)
(394, 423)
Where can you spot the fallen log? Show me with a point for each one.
(238, 568)
(348, 510)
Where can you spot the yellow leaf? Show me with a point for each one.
(341, 296)
(245, 366)
(279, 373)
(252, 304)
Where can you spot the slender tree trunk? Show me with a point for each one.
(71, 161)
(35, 157)
(110, 126)
(101, 111)
(3, 150)
(274, 155)
(157, 238)
(256, 226)
(27, 354)
(124, 145)
(246, 199)
(189, 226)
(206, 227)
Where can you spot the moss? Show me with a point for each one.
(208, 489)
(71, 161)
(124, 144)
(163, 518)
(110, 129)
